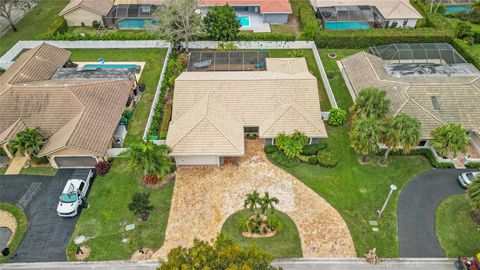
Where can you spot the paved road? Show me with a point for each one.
(47, 234)
(416, 212)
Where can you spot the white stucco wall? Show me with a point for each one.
(79, 15)
(197, 160)
(411, 23)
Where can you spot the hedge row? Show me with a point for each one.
(427, 153)
(243, 36)
(112, 35)
(165, 121)
(465, 50)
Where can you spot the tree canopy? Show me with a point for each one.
(221, 23)
(371, 102)
(152, 158)
(401, 131)
(365, 135)
(29, 139)
(450, 139)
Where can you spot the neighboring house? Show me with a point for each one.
(213, 111)
(365, 14)
(436, 87)
(77, 116)
(254, 13)
(121, 14)
(452, 6)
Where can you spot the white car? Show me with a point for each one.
(74, 193)
(466, 178)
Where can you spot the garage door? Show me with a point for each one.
(197, 160)
(75, 162)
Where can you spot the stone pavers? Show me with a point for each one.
(204, 197)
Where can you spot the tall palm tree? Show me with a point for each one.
(401, 131)
(29, 139)
(473, 194)
(449, 139)
(365, 135)
(267, 203)
(252, 201)
(370, 103)
(152, 158)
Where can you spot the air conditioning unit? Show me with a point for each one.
(119, 136)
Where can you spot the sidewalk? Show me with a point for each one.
(16, 165)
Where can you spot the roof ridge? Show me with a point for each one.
(394, 8)
(36, 49)
(421, 107)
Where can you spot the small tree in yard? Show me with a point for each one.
(152, 158)
(401, 131)
(221, 23)
(365, 135)
(370, 102)
(8, 6)
(252, 202)
(140, 205)
(292, 145)
(449, 139)
(473, 194)
(179, 21)
(267, 203)
(28, 140)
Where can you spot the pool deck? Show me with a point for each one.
(137, 76)
(256, 23)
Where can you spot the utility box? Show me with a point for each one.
(119, 136)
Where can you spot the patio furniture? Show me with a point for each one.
(202, 64)
(259, 65)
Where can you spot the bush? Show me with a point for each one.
(473, 165)
(2, 152)
(466, 51)
(312, 160)
(312, 149)
(165, 121)
(280, 158)
(39, 160)
(221, 23)
(59, 26)
(151, 180)
(251, 136)
(427, 153)
(327, 158)
(270, 149)
(308, 22)
(337, 117)
(463, 30)
(245, 36)
(103, 167)
(96, 24)
(113, 35)
(140, 205)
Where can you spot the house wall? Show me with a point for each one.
(79, 15)
(275, 18)
(69, 152)
(411, 23)
(475, 140)
(197, 160)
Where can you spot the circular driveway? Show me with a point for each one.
(416, 212)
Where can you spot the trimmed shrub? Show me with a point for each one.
(427, 153)
(312, 149)
(327, 158)
(280, 158)
(96, 24)
(243, 36)
(151, 180)
(465, 50)
(308, 21)
(252, 136)
(40, 160)
(473, 165)
(312, 160)
(112, 35)
(270, 149)
(337, 117)
(103, 167)
(59, 26)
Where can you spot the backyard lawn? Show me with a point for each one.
(476, 49)
(457, 233)
(108, 213)
(285, 244)
(355, 190)
(34, 25)
(150, 75)
(46, 171)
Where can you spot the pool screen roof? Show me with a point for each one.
(349, 13)
(131, 11)
(227, 61)
(450, 2)
(435, 53)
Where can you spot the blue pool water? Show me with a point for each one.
(134, 23)
(344, 25)
(244, 20)
(457, 9)
(107, 66)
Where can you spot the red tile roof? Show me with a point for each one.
(266, 6)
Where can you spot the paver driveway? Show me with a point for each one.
(204, 197)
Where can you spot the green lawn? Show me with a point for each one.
(476, 49)
(150, 75)
(355, 190)
(108, 213)
(47, 171)
(455, 21)
(22, 223)
(458, 234)
(312, 66)
(2, 171)
(34, 25)
(285, 244)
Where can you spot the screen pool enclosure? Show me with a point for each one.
(227, 61)
(135, 16)
(350, 17)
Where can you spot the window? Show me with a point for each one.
(405, 22)
(314, 140)
(268, 141)
(81, 186)
(422, 143)
(250, 129)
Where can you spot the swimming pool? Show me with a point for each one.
(109, 66)
(457, 9)
(244, 21)
(135, 23)
(347, 25)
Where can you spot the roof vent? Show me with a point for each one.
(435, 103)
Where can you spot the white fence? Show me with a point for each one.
(114, 152)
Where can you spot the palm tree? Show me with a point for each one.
(267, 203)
(450, 138)
(29, 139)
(370, 102)
(252, 201)
(152, 158)
(473, 194)
(365, 135)
(401, 131)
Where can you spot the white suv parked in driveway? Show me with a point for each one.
(466, 179)
(74, 193)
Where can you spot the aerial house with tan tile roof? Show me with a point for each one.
(213, 111)
(77, 116)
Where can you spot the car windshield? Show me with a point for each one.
(470, 176)
(68, 198)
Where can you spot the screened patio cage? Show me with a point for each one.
(450, 2)
(368, 14)
(133, 16)
(433, 53)
(227, 61)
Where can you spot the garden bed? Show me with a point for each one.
(21, 224)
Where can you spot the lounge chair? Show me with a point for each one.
(202, 64)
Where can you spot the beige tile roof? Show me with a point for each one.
(101, 7)
(76, 114)
(267, 99)
(139, 2)
(458, 96)
(390, 9)
(10, 133)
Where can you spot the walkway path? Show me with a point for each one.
(204, 197)
(416, 212)
(16, 165)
